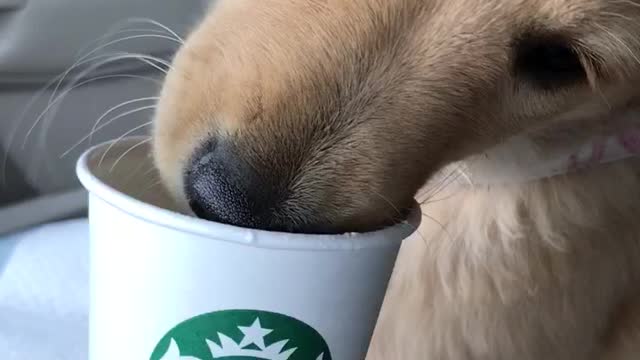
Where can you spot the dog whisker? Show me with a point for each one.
(121, 28)
(398, 212)
(150, 187)
(62, 96)
(459, 171)
(395, 208)
(58, 78)
(442, 184)
(102, 46)
(433, 201)
(20, 119)
(151, 170)
(127, 38)
(51, 109)
(113, 32)
(163, 32)
(435, 186)
(428, 198)
(109, 58)
(82, 75)
(135, 172)
(128, 151)
(107, 123)
(142, 20)
(440, 225)
(86, 59)
(93, 129)
(119, 139)
(47, 124)
(98, 78)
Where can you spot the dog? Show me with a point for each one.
(516, 121)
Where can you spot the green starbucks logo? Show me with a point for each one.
(242, 335)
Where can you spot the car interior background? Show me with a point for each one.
(64, 64)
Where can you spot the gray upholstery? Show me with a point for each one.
(38, 40)
(14, 186)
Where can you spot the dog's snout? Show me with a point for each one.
(222, 187)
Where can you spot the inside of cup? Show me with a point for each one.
(128, 168)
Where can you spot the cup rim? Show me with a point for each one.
(390, 236)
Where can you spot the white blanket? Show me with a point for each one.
(44, 293)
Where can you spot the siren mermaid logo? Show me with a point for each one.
(242, 335)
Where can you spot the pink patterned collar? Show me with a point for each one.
(517, 161)
(605, 150)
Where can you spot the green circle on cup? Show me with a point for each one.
(242, 335)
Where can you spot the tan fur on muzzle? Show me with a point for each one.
(342, 110)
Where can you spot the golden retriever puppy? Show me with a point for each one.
(324, 116)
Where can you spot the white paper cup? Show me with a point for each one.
(169, 286)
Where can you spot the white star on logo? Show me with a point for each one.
(254, 334)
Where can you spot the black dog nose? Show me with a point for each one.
(222, 187)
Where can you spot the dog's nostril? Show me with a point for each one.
(198, 209)
(222, 187)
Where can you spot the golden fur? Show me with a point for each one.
(374, 97)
